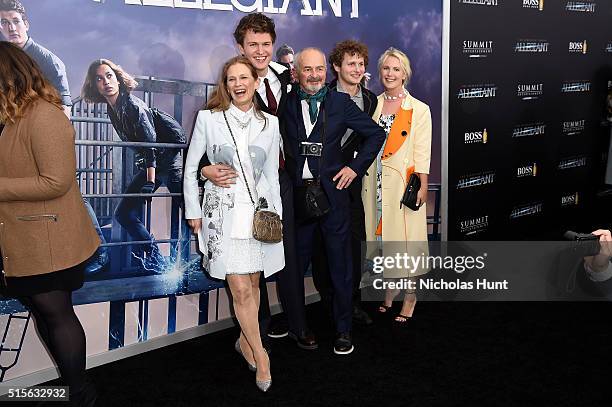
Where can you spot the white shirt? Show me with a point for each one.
(275, 85)
(243, 207)
(306, 174)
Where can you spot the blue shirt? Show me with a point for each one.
(52, 68)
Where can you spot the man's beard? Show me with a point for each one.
(314, 87)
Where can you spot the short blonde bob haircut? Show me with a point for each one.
(403, 58)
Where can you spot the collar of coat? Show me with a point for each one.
(400, 130)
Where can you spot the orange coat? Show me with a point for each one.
(44, 226)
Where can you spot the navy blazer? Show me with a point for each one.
(338, 112)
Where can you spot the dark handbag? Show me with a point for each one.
(267, 225)
(316, 202)
(409, 198)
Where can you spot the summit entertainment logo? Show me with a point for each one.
(574, 162)
(609, 47)
(573, 127)
(569, 200)
(531, 46)
(581, 6)
(576, 86)
(475, 180)
(477, 49)
(535, 4)
(529, 91)
(531, 209)
(577, 47)
(526, 130)
(474, 137)
(480, 2)
(473, 226)
(477, 92)
(530, 170)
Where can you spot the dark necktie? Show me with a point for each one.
(272, 107)
(272, 104)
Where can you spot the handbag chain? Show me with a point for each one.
(240, 162)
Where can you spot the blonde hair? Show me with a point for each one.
(403, 58)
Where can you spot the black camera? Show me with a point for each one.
(311, 149)
(586, 244)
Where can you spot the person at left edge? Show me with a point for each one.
(14, 26)
(235, 132)
(46, 236)
(134, 121)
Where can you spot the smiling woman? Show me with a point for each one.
(235, 132)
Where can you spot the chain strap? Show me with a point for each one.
(239, 161)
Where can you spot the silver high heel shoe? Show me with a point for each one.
(264, 385)
(252, 368)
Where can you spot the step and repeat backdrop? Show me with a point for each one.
(527, 141)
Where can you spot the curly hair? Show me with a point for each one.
(13, 5)
(21, 83)
(350, 47)
(90, 91)
(256, 22)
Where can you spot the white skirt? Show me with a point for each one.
(245, 256)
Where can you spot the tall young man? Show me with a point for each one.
(348, 61)
(255, 36)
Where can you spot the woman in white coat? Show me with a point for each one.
(407, 150)
(235, 132)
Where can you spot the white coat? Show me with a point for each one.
(212, 137)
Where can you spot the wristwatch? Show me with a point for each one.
(202, 177)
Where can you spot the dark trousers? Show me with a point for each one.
(320, 270)
(129, 210)
(336, 236)
(290, 280)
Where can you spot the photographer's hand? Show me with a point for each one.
(601, 262)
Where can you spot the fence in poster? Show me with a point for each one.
(174, 50)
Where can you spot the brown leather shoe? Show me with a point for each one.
(305, 340)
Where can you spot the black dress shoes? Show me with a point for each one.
(343, 344)
(360, 316)
(279, 328)
(305, 340)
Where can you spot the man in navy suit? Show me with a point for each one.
(313, 125)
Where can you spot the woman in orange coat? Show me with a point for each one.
(407, 150)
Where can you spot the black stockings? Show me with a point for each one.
(62, 333)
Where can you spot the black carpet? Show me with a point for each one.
(450, 354)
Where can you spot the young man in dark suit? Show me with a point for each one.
(255, 36)
(314, 123)
(348, 61)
